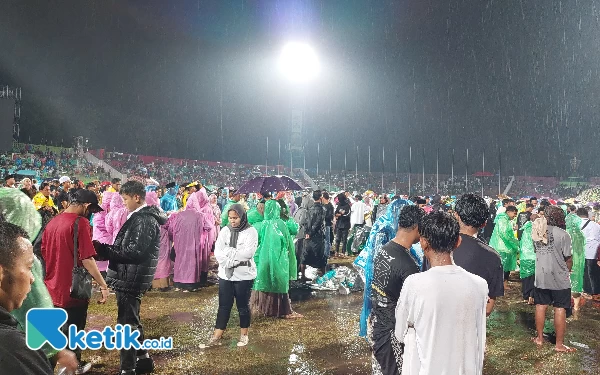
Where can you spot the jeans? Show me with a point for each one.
(128, 306)
(78, 317)
(228, 290)
(327, 241)
(341, 235)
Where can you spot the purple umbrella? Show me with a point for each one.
(268, 183)
(289, 183)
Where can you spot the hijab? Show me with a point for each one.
(213, 199)
(235, 231)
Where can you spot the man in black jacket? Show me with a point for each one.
(328, 223)
(314, 244)
(133, 258)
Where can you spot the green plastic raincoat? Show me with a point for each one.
(290, 223)
(504, 242)
(275, 257)
(17, 209)
(578, 250)
(254, 216)
(527, 265)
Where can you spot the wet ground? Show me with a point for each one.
(326, 341)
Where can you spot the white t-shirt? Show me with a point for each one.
(446, 306)
(357, 213)
(592, 238)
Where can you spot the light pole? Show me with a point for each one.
(299, 65)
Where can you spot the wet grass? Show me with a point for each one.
(325, 341)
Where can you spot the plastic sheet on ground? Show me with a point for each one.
(341, 279)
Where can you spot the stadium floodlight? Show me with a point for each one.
(299, 62)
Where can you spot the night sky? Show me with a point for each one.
(153, 77)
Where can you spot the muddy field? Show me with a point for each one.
(326, 341)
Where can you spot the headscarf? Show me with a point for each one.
(235, 231)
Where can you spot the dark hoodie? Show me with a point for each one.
(343, 221)
(15, 356)
(134, 255)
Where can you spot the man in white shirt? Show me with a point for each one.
(358, 211)
(441, 313)
(591, 231)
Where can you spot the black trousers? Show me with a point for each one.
(527, 285)
(341, 235)
(386, 355)
(591, 277)
(78, 317)
(228, 290)
(128, 306)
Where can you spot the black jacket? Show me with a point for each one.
(343, 221)
(316, 220)
(15, 356)
(328, 214)
(134, 255)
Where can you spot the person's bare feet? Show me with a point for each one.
(564, 349)
(536, 340)
(294, 315)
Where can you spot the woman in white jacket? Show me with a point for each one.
(234, 250)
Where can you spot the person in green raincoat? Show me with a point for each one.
(256, 214)
(234, 197)
(578, 253)
(527, 262)
(290, 223)
(275, 265)
(16, 208)
(504, 241)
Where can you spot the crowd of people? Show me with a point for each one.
(46, 162)
(456, 253)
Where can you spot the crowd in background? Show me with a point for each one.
(135, 236)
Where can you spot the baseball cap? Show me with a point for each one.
(9, 176)
(64, 179)
(87, 196)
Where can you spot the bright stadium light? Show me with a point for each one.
(298, 62)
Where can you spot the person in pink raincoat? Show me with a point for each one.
(186, 231)
(116, 217)
(209, 233)
(164, 268)
(216, 211)
(99, 231)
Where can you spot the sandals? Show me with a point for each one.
(567, 349)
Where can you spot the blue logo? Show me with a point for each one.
(44, 326)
